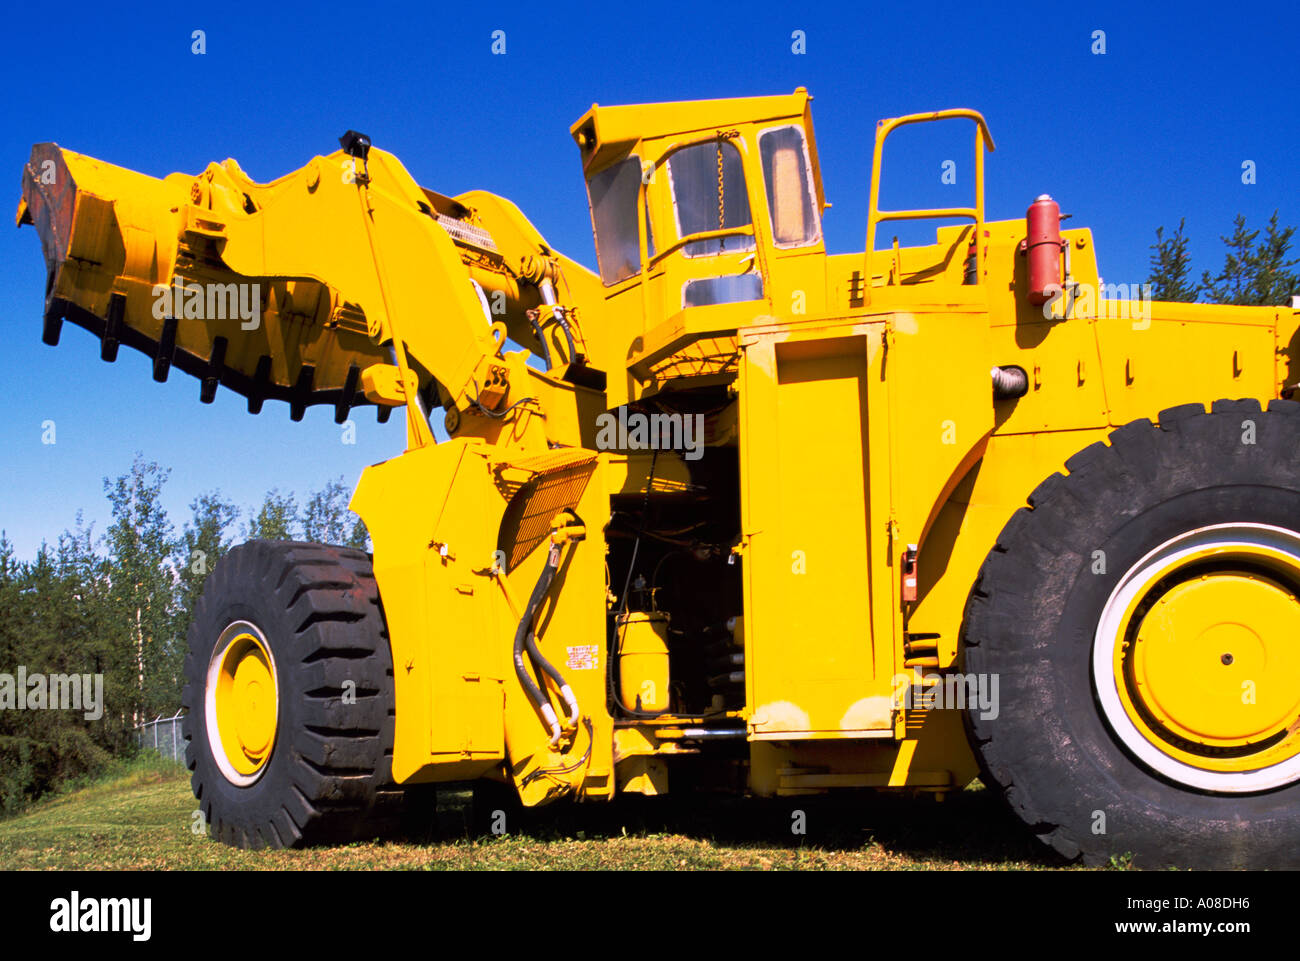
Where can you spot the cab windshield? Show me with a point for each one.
(708, 185)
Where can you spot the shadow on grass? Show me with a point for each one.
(968, 828)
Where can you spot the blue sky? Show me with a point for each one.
(1155, 129)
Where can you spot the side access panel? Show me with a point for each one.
(819, 598)
(447, 675)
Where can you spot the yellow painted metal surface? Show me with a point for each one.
(809, 455)
(851, 392)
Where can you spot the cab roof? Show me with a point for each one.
(604, 133)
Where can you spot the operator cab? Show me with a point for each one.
(710, 210)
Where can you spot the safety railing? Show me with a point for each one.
(876, 216)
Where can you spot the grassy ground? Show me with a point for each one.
(141, 815)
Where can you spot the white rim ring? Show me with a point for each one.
(215, 748)
(1139, 578)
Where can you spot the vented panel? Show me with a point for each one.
(558, 482)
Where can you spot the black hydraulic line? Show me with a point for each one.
(541, 337)
(539, 593)
(521, 671)
(524, 632)
(526, 640)
(568, 335)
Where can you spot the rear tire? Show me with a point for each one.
(1061, 752)
(327, 776)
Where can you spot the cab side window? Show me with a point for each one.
(612, 195)
(784, 157)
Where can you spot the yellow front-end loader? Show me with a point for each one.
(730, 511)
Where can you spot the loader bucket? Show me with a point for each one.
(137, 260)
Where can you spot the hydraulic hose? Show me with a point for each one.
(541, 339)
(526, 640)
(547, 290)
(568, 334)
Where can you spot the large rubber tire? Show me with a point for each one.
(328, 776)
(1033, 615)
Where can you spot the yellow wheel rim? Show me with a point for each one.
(242, 703)
(1197, 658)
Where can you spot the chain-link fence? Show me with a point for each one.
(163, 734)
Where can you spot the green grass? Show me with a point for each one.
(140, 816)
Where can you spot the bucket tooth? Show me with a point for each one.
(261, 378)
(112, 335)
(301, 392)
(208, 390)
(53, 325)
(347, 395)
(162, 358)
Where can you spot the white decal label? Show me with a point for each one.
(583, 657)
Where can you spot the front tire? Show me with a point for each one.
(289, 698)
(1143, 622)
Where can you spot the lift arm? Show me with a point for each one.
(294, 289)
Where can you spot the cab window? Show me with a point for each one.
(612, 195)
(705, 291)
(708, 185)
(789, 189)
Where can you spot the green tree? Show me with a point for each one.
(359, 537)
(327, 520)
(19, 751)
(202, 544)
(1170, 275)
(77, 611)
(276, 520)
(80, 609)
(143, 585)
(1254, 273)
(53, 622)
(1275, 283)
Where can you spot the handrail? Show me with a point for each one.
(744, 230)
(876, 216)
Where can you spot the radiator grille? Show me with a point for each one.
(558, 481)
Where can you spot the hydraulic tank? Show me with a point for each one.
(643, 662)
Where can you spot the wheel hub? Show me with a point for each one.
(1205, 674)
(1197, 658)
(242, 703)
